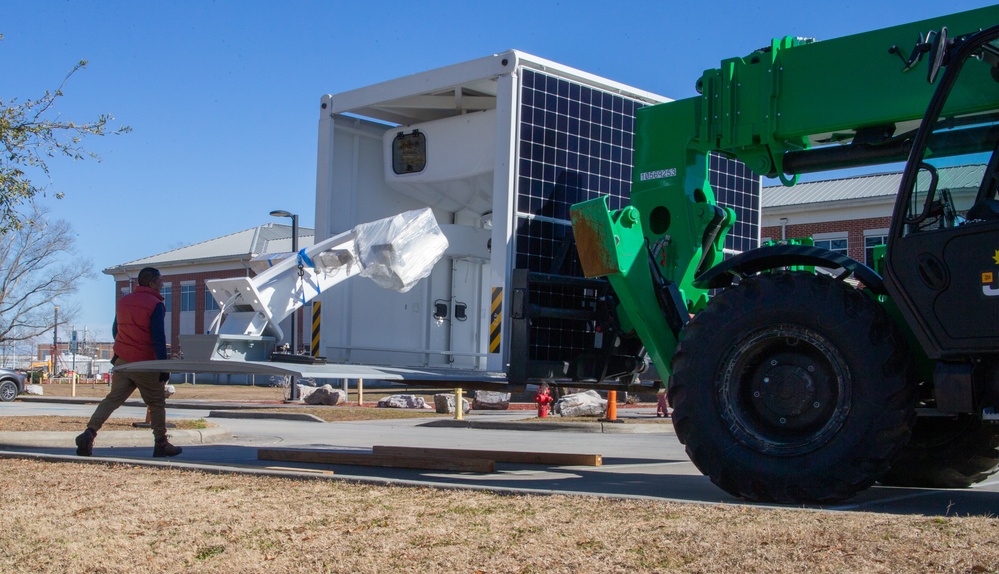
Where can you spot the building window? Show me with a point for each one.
(834, 245)
(210, 303)
(187, 298)
(167, 292)
(870, 242)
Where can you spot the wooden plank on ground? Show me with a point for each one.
(293, 469)
(374, 459)
(550, 458)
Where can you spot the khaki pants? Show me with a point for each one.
(122, 385)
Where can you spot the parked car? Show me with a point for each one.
(11, 384)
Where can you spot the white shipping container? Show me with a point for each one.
(499, 148)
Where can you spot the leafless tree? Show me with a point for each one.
(39, 268)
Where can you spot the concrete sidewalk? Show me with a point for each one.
(115, 438)
(491, 420)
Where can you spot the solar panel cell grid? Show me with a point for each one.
(576, 144)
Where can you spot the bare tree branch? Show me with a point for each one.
(30, 138)
(39, 268)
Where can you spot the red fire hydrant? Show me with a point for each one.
(543, 398)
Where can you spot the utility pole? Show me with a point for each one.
(73, 347)
(55, 342)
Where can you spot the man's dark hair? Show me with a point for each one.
(147, 275)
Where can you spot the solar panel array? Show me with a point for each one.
(576, 143)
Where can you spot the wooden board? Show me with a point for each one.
(549, 458)
(293, 469)
(374, 459)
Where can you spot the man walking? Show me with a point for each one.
(138, 336)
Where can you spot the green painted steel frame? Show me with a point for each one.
(795, 95)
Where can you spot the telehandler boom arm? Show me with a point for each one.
(794, 107)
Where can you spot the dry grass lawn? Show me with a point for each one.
(65, 517)
(271, 394)
(184, 391)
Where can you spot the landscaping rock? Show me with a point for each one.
(403, 402)
(444, 403)
(491, 401)
(584, 404)
(34, 390)
(324, 395)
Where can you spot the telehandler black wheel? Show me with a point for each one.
(947, 452)
(791, 388)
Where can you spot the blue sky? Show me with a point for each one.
(223, 96)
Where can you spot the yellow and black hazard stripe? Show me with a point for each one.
(497, 320)
(317, 315)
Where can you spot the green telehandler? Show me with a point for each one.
(796, 374)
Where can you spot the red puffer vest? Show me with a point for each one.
(134, 342)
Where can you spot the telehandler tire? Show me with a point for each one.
(792, 388)
(947, 452)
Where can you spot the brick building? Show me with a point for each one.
(851, 216)
(190, 309)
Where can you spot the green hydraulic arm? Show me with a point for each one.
(797, 106)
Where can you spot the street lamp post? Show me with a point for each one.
(55, 343)
(293, 394)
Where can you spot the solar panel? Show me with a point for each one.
(576, 143)
(737, 187)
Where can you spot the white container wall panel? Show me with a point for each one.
(460, 155)
(362, 322)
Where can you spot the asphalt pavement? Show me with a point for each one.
(639, 460)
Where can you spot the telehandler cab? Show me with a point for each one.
(793, 385)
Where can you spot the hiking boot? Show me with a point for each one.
(85, 442)
(164, 448)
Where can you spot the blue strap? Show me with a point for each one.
(305, 261)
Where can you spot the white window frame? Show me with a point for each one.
(834, 236)
(192, 290)
(882, 233)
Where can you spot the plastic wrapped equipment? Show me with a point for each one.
(398, 251)
(331, 260)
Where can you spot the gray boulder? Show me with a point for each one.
(34, 390)
(444, 403)
(491, 401)
(305, 390)
(403, 402)
(584, 404)
(324, 395)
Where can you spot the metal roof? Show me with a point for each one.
(268, 238)
(864, 187)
